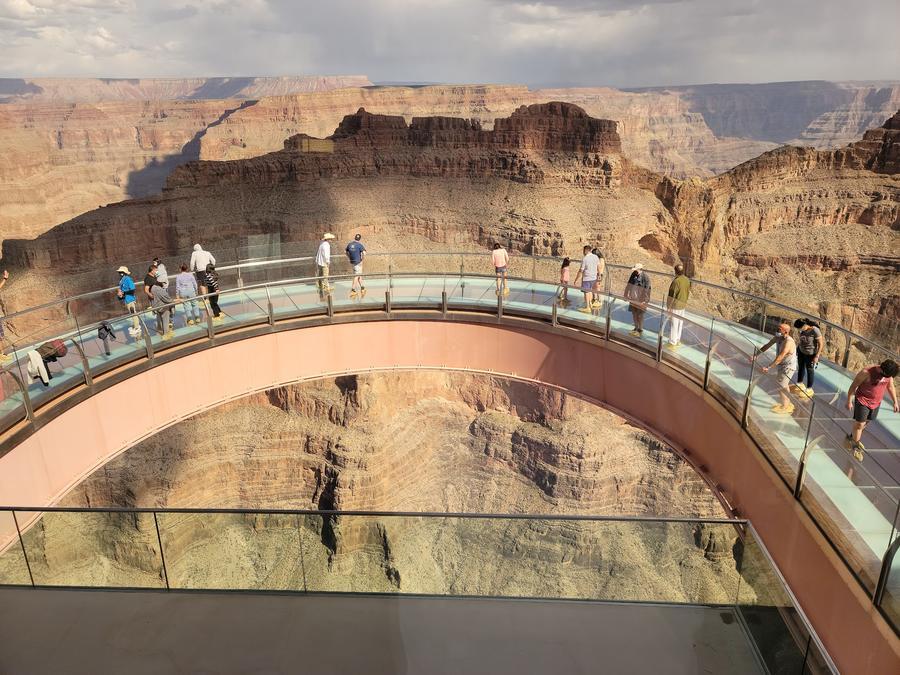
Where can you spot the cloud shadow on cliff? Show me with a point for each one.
(151, 179)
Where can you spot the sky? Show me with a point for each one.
(621, 43)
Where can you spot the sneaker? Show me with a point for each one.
(673, 347)
(167, 336)
(595, 304)
(782, 409)
(809, 391)
(362, 291)
(584, 310)
(352, 294)
(636, 333)
(218, 319)
(506, 290)
(5, 358)
(795, 387)
(858, 455)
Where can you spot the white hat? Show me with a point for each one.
(123, 270)
(328, 235)
(637, 266)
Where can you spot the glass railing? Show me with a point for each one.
(854, 502)
(715, 563)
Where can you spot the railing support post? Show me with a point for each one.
(609, 304)
(554, 319)
(162, 555)
(210, 330)
(88, 379)
(329, 299)
(801, 469)
(444, 303)
(886, 564)
(148, 341)
(500, 305)
(745, 414)
(659, 340)
(533, 267)
(764, 318)
(387, 302)
(22, 544)
(270, 307)
(708, 366)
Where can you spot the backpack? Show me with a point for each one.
(55, 349)
(105, 331)
(807, 343)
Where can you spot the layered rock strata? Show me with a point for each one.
(423, 441)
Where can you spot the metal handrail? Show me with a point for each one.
(257, 263)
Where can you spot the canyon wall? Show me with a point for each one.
(96, 90)
(812, 228)
(408, 441)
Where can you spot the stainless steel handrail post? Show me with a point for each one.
(162, 555)
(887, 563)
(500, 304)
(390, 271)
(444, 303)
(387, 302)
(329, 300)
(88, 380)
(745, 414)
(533, 268)
(609, 304)
(764, 318)
(553, 316)
(801, 469)
(148, 343)
(845, 359)
(270, 307)
(210, 330)
(707, 368)
(22, 544)
(26, 398)
(659, 339)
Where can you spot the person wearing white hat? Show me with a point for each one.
(126, 293)
(323, 261)
(637, 292)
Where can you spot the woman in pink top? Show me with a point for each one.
(864, 398)
(500, 258)
(563, 293)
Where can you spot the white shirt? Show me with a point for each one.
(323, 255)
(200, 259)
(590, 266)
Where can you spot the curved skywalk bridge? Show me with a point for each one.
(855, 504)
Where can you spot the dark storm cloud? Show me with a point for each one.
(614, 42)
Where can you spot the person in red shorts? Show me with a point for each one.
(864, 398)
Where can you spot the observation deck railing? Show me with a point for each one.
(854, 503)
(613, 559)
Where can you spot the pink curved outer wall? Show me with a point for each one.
(59, 455)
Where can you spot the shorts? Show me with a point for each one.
(201, 278)
(500, 270)
(587, 285)
(357, 269)
(784, 377)
(863, 413)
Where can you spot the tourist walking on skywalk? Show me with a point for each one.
(356, 253)
(4, 358)
(785, 364)
(563, 293)
(200, 260)
(186, 291)
(637, 292)
(676, 303)
(150, 281)
(212, 283)
(323, 262)
(162, 308)
(126, 293)
(587, 277)
(810, 344)
(865, 396)
(162, 274)
(500, 260)
(598, 282)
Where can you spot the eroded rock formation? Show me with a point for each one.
(415, 441)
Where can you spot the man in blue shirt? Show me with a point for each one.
(356, 252)
(126, 295)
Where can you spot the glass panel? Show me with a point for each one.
(685, 343)
(504, 557)
(13, 569)
(890, 600)
(729, 371)
(768, 611)
(297, 299)
(256, 551)
(239, 308)
(113, 550)
(123, 342)
(12, 407)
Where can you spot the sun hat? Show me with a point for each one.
(123, 270)
(637, 266)
(328, 235)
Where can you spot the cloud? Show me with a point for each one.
(565, 42)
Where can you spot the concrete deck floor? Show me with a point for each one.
(97, 632)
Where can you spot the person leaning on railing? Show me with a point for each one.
(865, 396)
(3, 356)
(786, 363)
